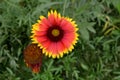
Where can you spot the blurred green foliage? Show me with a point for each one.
(96, 55)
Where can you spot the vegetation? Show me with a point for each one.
(96, 55)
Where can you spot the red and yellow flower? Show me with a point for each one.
(55, 35)
(33, 57)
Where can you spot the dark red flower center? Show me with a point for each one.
(55, 33)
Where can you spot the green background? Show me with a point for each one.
(96, 55)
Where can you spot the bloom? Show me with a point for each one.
(33, 57)
(55, 35)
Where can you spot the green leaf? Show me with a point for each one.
(9, 70)
(85, 67)
(3, 38)
(15, 1)
(118, 48)
(43, 6)
(116, 4)
(116, 32)
(13, 63)
(1, 59)
(84, 33)
(90, 28)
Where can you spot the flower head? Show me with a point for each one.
(55, 34)
(33, 57)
